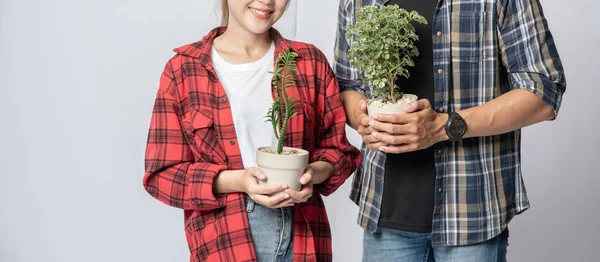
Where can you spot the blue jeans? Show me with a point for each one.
(272, 231)
(402, 246)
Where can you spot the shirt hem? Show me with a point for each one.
(425, 229)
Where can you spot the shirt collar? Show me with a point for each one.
(203, 48)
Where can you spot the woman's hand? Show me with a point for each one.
(271, 196)
(307, 188)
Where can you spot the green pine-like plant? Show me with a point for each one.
(284, 106)
(383, 47)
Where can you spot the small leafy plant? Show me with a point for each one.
(383, 47)
(283, 107)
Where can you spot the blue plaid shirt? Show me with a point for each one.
(481, 50)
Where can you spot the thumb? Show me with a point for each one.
(307, 177)
(257, 173)
(363, 106)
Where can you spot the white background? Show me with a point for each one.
(78, 79)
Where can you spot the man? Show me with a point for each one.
(442, 182)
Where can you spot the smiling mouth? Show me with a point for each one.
(261, 13)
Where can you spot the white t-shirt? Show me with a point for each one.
(248, 88)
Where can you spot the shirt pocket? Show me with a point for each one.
(200, 134)
(467, 37)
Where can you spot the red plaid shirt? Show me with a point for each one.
(192, 138)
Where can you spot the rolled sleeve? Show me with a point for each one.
(529, 52)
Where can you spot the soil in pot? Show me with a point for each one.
(289, 152)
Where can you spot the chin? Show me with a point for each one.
(258, 28)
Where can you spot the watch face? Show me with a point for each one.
(457, 128)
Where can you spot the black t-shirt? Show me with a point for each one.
(408, 195)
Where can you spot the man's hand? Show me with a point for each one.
(271, 196)
(364, 129)
(307, 188)
(421, 127)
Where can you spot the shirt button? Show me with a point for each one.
(223, 100)
(440, 190)
(439, 33)
(440, 71)
(440, 151)
(232, 142)
(441, 110)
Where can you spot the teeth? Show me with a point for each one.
(259, 12)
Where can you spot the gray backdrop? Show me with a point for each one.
(78, 79)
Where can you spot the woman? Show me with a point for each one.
(207, 122)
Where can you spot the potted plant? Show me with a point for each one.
(282, 165)
(383, 47)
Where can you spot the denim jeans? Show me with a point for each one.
(272, 231)
(402, 246)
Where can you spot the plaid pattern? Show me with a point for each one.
(192, 138)
(485, 48)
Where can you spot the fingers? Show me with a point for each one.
(302, 195)
(369, 139)
(365, 130)
(365, 133)
(376, 146)
(361, 113)
(399, 149)
(364, 120)
(266, 189)
(417, 106)
(263, 189)
(409, 117)
(288, 203)
(398, 119)
(275, 201)
(394, 139)
(295, 195)
(394, 129)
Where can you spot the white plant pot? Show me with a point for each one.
(378, 107)
(282, 169)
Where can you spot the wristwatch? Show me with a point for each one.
(455, 127)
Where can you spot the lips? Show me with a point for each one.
(260, 13)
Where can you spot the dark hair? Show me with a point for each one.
(224, 12)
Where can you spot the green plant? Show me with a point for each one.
(283, 107)
(383, 46)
